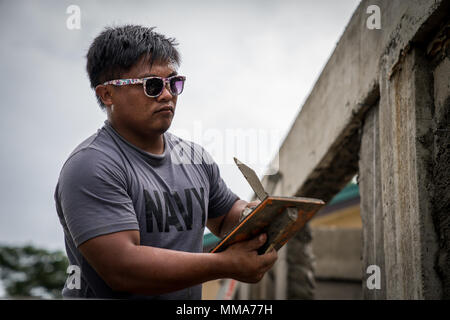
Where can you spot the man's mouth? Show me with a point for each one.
(165, 109)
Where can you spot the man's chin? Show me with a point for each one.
(159, 126)
(163, 127)
(162, 130)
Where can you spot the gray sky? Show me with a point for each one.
(250, 65)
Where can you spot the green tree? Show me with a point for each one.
(32, 272)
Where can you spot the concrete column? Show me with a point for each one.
(441, 169)
(405, 121)
(369, 180)
(280, 272)
(300, 259)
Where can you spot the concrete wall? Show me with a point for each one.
(337, 253)
(375, 98)
(338, 290)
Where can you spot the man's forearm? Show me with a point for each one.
(232, 217)
(127, 266)
(152, 271)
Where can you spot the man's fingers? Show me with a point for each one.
(253, 203)
(250, 267)
(269, 258)
(257, 242)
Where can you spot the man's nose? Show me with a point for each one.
(165, 94)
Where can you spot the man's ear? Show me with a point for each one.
(104, 92)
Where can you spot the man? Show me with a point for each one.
(132, 204)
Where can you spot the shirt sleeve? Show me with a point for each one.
(93, 196)
(221, 198)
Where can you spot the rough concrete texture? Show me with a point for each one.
(405, 120)
(441, 169)
(369, 180)
(300, 272)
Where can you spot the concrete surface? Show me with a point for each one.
(407, 230)
(441, 169)
(337, 253)
(371, 203)
(405, 119)
(338, 290)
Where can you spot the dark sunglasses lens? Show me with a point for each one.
(176, 85)
(154, 86)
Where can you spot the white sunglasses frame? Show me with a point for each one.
(124, 82)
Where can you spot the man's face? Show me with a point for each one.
(136, 113)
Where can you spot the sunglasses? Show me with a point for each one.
(154, 86)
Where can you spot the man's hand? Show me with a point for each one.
(220, 226)
(245, 263)
(248, 209)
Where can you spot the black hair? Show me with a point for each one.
(115, 50)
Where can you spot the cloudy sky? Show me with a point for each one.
(250, 65)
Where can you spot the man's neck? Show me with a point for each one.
(153, 143)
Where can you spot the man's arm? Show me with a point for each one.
(126, 266)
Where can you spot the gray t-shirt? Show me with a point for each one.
(109, 185)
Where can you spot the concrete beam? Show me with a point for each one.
(316, 157)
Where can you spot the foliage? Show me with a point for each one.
(32, 272)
